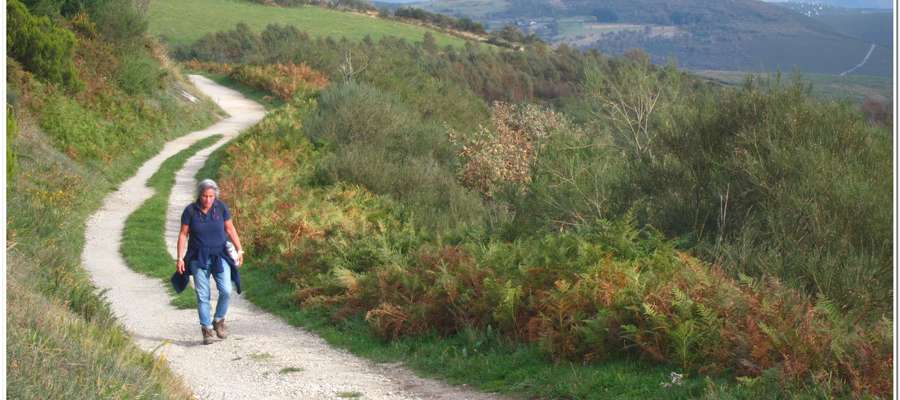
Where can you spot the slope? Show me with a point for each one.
(699, 34)
(183, 22)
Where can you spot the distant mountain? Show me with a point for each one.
(701, 34)
(870, 25)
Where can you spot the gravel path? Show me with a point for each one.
(263, 357)
(861, 63)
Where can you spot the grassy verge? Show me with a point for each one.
(183, 22)
(143, 242)
(63, 341)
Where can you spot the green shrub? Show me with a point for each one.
(772, 182)
(380, 143)
(40, 46)
(138, 74)
(120, 22)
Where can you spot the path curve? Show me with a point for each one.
(861, 63)
(249, 364)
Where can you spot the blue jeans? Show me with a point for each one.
(201, 284)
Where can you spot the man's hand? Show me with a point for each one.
(180, 266)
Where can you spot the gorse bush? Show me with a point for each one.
(139, 74)
(381, 144)
(771, 182)
(43, 48)
(121, 22)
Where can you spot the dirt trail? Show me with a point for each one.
(264, 357)
(861, 63)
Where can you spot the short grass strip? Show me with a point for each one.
(143, 242)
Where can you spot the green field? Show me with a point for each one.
(183, 22)
(831, 87)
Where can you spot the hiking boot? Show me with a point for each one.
(207, 335)
(219, 326)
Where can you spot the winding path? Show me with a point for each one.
(861, 63)
(263, 357)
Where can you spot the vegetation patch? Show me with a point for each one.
(56, 320)
(398, 223)
(260, 357)
(282, 80)
(143, 241)
(597, 291)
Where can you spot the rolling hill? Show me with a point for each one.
(180, 22)
(700, 34)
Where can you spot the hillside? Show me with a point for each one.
(872, 27)
(183, 22)
(864, 4)
(88, 98)
(701, 34)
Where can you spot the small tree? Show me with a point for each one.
(43, 48)
(628, 97)
(429, 43)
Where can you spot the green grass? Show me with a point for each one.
(181, 22)
(143, 242)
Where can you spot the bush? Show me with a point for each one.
(379, 143)
(120, 22)
(801, 183)
(282, 80)
(40, 46)
(138, 74)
